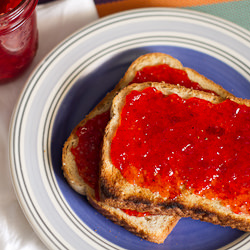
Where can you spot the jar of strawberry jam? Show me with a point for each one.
(18, 36)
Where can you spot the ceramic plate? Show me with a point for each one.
(72, 80)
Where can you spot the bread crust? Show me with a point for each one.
(154, 228)
(116, 191)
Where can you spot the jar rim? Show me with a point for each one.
(19, 8)
(14, 18)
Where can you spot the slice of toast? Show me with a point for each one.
(143, 226)
(118, 192)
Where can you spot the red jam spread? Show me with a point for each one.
(165, 73)
(87, 152)
(166, 143)
(135, 213)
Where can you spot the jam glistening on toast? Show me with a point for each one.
(81, 153)
(172, 150)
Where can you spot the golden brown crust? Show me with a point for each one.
(207, 83)
(152, 228)
(117, 192)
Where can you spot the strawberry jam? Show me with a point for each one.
(164, 73)
(87, 152)
(135, 213)
(178, 143)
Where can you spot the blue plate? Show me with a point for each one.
(73, 79)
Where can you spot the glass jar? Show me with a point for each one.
(18, 39)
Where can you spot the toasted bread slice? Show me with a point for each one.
(118, 192)
(69, 166)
